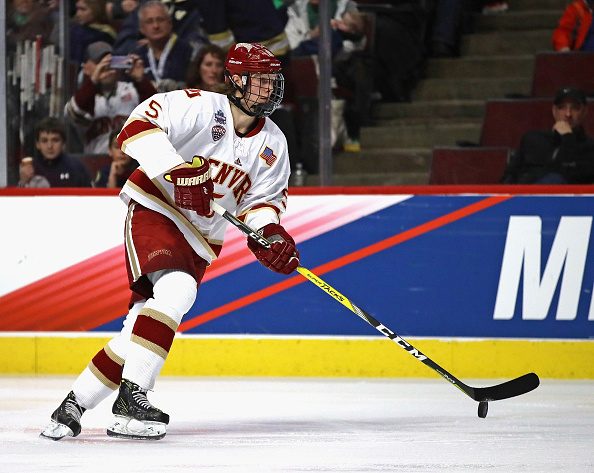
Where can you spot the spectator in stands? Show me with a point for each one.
(247, 21)
(347, 36)
(562, 155)
(27, 176)
(445, 17)
(60, 169)
(207, 69)
(103, 102)
(165, 55)
(115, 175)
(448, 20)
(91, 25)
(118, 10)
(303, 30)
(399, 50)
(26, 20)
(187, 24)
(575, 31)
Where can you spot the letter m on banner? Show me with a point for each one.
(523, 251)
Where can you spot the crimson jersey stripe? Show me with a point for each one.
(142, 181)
(134, 129)
(256, 130)
(145, 185)
(260, 206)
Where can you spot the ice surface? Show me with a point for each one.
(283, 425)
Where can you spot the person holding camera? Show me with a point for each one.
(104, 99)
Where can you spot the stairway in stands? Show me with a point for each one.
(448, 104)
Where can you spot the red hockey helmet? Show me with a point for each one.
(245, 60)
(253, 58)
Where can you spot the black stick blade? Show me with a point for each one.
(512, 388)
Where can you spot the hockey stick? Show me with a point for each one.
(512, 388)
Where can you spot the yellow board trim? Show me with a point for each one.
(313, 357)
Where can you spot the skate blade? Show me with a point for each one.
(141, 430)
(56, 431)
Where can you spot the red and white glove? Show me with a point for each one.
(282, 256)
(193, 186)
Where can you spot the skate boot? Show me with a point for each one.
(134, 416)
(65, 420)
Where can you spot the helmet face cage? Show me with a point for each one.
(264, 93)
(262, 84)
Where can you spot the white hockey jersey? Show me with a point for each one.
(250, 173)
(95, 119)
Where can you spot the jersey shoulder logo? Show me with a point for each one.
(218, 132)
(220, 117)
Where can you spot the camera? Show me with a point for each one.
(121, 62)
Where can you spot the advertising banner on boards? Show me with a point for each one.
(478, 266)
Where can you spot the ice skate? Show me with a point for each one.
(134, 416)
(65, 420)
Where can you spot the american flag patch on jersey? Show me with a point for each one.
(268, 156)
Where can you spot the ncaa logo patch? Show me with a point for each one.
(220, 118)
(218, 132)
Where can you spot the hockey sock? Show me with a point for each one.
(89, 390)
(103, 374)
(174, 293)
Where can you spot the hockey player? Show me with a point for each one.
(192, 146)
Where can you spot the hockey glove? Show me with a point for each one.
(193, 186)
(282, 256)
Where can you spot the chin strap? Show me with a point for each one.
(237, 100)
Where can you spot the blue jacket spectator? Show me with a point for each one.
(60, 169)
(246, 21)
(91, 26)
(165, 55)
(187, 24)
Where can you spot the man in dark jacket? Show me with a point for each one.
(52, 163)
(165, 55)
(562, 155)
